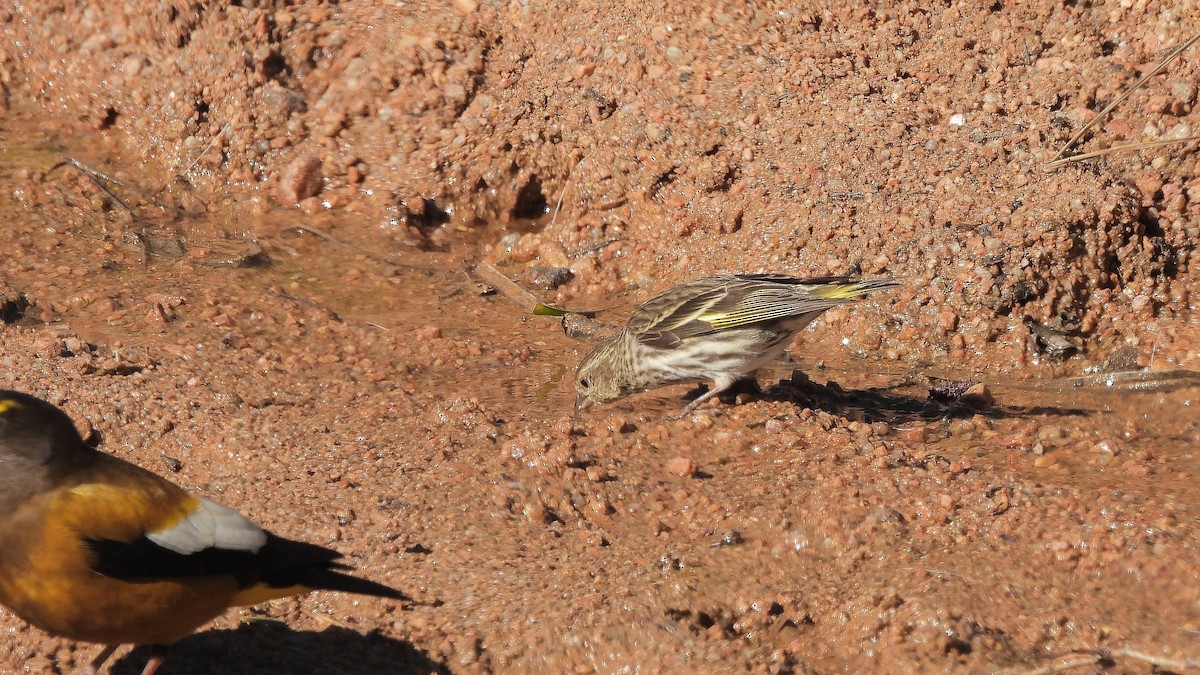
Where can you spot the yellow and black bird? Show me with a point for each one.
(720, 328)
(95, 549)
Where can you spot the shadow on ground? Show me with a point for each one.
(896, 405)
(269, 648)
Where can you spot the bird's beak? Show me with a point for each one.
(582, 402)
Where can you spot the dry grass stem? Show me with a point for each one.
(1053, 164)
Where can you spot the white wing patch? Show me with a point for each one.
(211, 525)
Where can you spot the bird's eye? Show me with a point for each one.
(584, 383)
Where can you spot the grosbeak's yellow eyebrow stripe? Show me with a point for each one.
(9, 404)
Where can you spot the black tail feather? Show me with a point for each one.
(330, 579)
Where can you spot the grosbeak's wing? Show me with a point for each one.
(139, 527)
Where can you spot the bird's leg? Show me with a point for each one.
(94, 666)
(720, 385)
(158, 655)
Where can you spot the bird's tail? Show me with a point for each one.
(331, 579)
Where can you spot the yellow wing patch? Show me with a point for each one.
(123, 512)
(839, 292)
(775, 303)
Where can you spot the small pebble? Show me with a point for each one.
(682, 466)
(300, 180)
(978, 395)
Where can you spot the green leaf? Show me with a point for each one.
(541, 309)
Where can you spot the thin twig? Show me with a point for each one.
(1059, 667)
(98, 179)
(1108, 108)
(563, 192)
(1108, 656)
(1177, 665)
(592, 249)
(518, 295)
(507, 287)
(1116, 148)
(382, 259)
(306, 301)
(195, 161)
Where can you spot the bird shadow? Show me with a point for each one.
(915, 399)
(266, 647)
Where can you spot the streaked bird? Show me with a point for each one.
(95, 549)
(719, 329)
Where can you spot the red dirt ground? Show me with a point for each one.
(268, 303)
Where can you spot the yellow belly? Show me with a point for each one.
(92, 608)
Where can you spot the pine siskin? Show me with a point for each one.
(719, 328)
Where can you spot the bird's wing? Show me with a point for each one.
(841, 287)
(671, 309)
(752, 300)
(664, 320)
(134, 534)
(137, 526)
(795, 281)
(717, 303)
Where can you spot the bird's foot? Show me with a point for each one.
(94, 667)
(711, 410)
(156, 660)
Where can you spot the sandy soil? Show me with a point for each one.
(268, 304)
